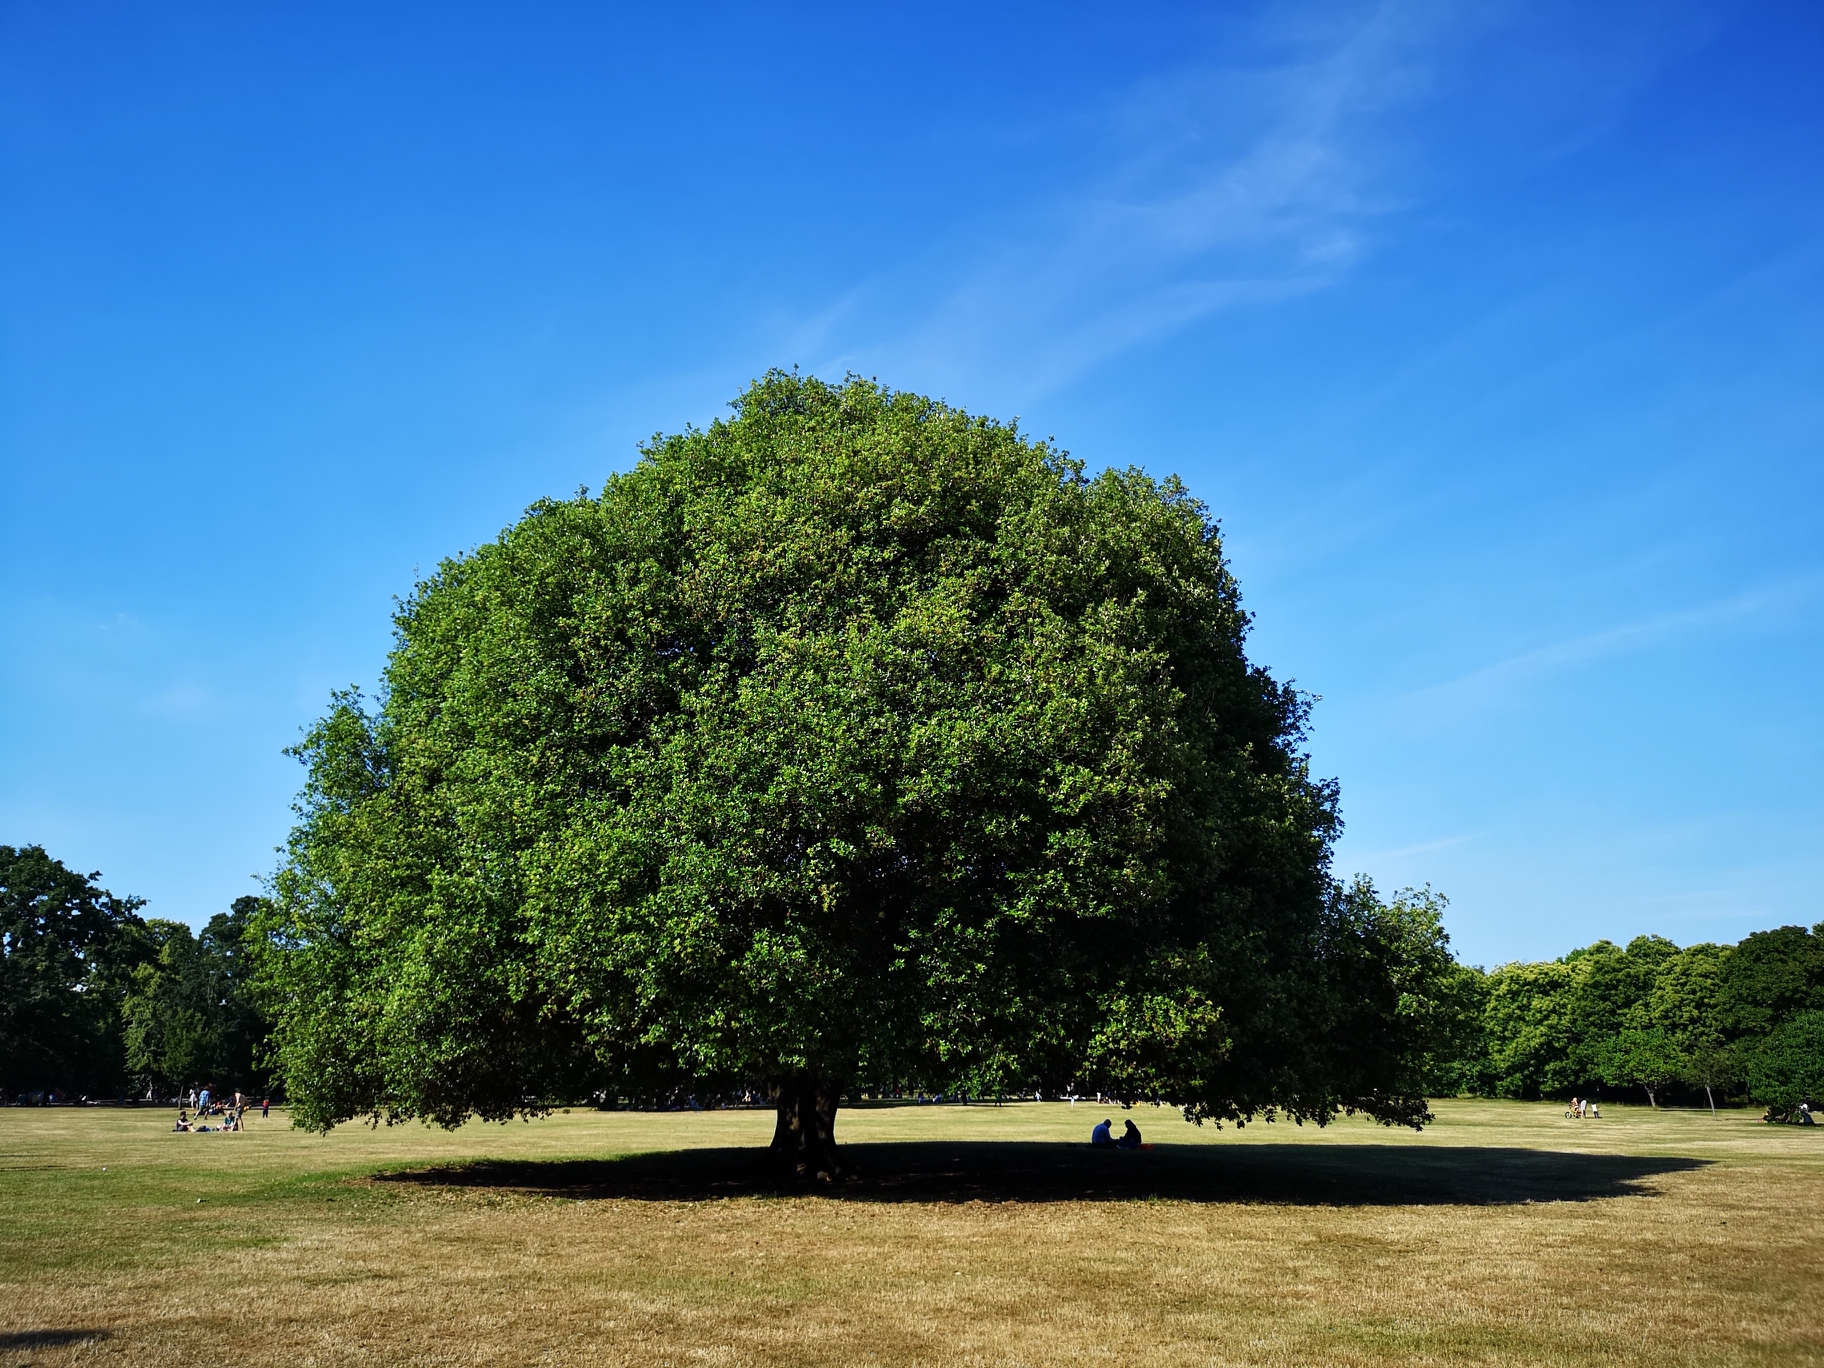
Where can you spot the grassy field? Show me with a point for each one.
(980, 1235)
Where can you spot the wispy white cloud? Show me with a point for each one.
(1216, 187)
(1642, 634)
(1422, 848)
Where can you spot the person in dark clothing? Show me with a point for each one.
(1130, 1138)
(1100, 1136)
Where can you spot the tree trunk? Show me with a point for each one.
(804, 1134)
(1712, 1097)
(1652, 1101)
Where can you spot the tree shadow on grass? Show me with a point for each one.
(48, 1339)
(991, 1171)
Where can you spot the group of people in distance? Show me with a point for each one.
(230, 1112)
(1800, 1115)
(1582, 1107)
(1103, 1136)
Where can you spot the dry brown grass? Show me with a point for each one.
(1504, 1234)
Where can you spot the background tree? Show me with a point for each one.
(1618, 1042)
(1786, 1067)
(1654, 1016)
(190, 1013)
(853, 741)
(1645, 1057)
(1685, 1002)
(1712, 1067)
(1531, 1026)
(1400, 996)
(1771, 977)
(66, 948)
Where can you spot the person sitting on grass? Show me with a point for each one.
(1100, 1136)
(183, 1121)
(1130, 1138)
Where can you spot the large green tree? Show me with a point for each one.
(1646, 1057)
(1685, 1004)
(1531, 1019)
(1786, 1066)
(1771, 977)
(66, 947)
(853, 741)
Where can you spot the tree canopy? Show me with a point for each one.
(855, 741)
(66, 947)
(1786, 1066)
(190, 1012)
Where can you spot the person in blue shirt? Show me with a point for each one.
(1100, 1135)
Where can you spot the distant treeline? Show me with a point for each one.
(97, 1001)
(1652, 1021)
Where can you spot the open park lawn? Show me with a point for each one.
(979, 1235)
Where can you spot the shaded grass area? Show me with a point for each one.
(49, 1339)
(987, 1236)
(1015, 1171)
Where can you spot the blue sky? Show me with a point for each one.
(1493, 333)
